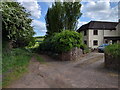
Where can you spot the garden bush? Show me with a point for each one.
(61, 42)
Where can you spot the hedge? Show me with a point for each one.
(61, 42)
(113, 50)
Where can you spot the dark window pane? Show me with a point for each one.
(85, 42)
(95, 42)
(95, 32)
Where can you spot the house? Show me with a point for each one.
(95, 33)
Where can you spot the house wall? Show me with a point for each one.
(93, 37)
(118, 29)
(110, 33)
(90, 37)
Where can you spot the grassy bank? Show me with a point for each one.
(14, 64)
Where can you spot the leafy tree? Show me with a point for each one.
(16, 24)
(62, 16)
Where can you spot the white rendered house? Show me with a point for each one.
(96, 33)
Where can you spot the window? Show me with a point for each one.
(85, 42)
(95, 42)
(85, 33)
(95, 32)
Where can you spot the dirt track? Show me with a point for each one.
(88, 72)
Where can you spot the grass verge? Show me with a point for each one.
(14, 64)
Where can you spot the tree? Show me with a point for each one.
(72, 14)
(16, 24)
(54, 18)
(62, 16)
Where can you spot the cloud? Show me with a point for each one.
(100, 10)
(31, 6)
(39, 26)
(96, 6)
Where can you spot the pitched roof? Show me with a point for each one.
(98, 25)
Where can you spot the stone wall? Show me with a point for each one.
(112, 62)
(73, 54)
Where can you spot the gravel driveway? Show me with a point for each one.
(88, 72)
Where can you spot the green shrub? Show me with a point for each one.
(113, 50)
(62, 42)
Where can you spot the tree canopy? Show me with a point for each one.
(16, 23)
(62, 16)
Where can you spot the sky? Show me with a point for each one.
(95, 10)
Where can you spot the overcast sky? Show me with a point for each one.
(97, 10)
